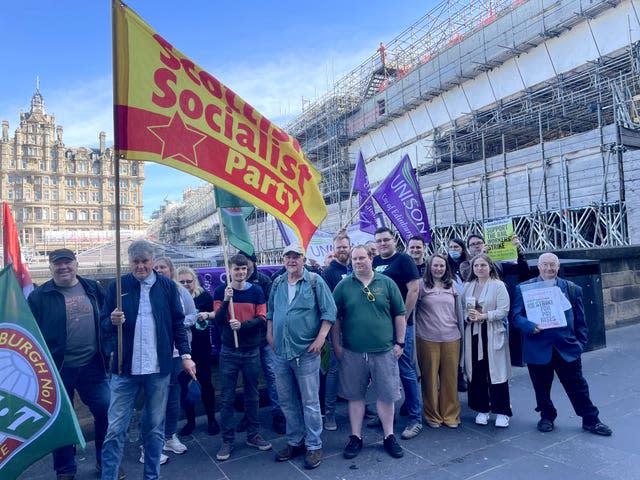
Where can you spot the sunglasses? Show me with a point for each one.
(186, 282)
(369, 294)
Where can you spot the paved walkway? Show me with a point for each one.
(470, 452)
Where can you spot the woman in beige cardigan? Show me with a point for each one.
(486, 343)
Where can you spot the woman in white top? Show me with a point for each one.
(486, 344)
(438, 333)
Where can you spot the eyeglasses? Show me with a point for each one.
(369, 294)
(186, 282)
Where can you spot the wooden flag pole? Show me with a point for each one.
(223, 241)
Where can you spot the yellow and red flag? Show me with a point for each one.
(169, 110)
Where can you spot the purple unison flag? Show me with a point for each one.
(400, 198)
(361, 185)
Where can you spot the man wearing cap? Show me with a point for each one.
(67, 309)
(300, 313)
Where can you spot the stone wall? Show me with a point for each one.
(620, 271)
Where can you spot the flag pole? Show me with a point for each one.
(116, 166)
(223, 241)
(356, 212)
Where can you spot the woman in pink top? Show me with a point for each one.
(438, 335)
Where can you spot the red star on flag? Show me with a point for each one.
(178, 140)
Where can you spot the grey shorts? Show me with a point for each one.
(357, 369)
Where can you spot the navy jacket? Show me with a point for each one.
(334, 273)
(48, 307)
(167, 312)
(569, 341)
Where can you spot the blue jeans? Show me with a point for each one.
(332, 382)
(298, 383)
(124, 390)
(92, 384)
(409, 379)
(267, 358)
(232, 362)
(173, 399)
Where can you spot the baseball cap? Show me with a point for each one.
(293, 248)
(60, 254)
(190, 392)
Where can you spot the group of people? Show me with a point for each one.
(392, 324)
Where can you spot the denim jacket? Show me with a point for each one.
(296, 324)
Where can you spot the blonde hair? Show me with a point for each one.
(197, 288)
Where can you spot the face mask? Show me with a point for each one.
(454, 254)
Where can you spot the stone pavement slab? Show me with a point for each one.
(469, 452)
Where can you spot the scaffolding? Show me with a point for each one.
(321, 128)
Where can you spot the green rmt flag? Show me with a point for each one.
(234, 213)
(36, 415)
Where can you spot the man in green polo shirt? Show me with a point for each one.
(369, 306)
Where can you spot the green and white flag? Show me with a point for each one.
(36, 415)
(234, 212)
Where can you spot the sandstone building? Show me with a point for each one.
(60, 195)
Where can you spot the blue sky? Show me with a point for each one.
(273, 54)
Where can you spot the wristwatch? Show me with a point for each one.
(400, 344)
(186, 356)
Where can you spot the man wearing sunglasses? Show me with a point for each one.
(370, 307)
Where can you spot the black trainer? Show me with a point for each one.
(545, 425)
(392, 446)
(599, 429)
(353, 447)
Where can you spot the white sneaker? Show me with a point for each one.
(502, 421)
(174, 445)
(163, 458)
(482, 418)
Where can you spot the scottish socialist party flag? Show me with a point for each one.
(36, 415)
(400, 198)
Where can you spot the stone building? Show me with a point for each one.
(60, 195)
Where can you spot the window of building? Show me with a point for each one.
(46, 195)
(54, 165)
(124, 169)
(42, 165)
(82, 167)
(111, 197)
(54, 214)
(95, 182)
(37, 195)
(96, 168)
(95, 196)
(95, 215)
(83, 182)
(123, 198)
(82, 196)
(45, 180)
(12, 163)
(25, 164)
(10, 194)
(54, 195)
(70, 215)
(54, 180)
(124, 184)
(69, 168)
(71, 182)
(11, 179)
(70, 197)
(125, 215)
(83, 215)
